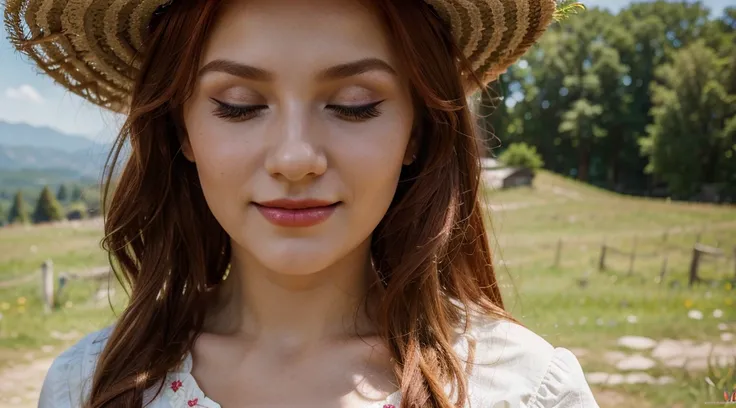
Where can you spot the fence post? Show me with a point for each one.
(558, 254)
(694, 267)
(602, 261)
(47, 285)
(633, 257)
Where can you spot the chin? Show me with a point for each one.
(297, 256)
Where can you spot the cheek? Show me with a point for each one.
(224, 161)
(372, 160)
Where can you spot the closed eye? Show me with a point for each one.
(357, 113)
(239, 113)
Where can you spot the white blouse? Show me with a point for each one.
(513, 368)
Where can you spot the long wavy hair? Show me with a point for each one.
(430, 251)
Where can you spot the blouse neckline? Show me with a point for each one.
(183, 391)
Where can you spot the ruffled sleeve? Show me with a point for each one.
(69, 379)
(564, 384)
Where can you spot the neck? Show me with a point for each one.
(295, 311)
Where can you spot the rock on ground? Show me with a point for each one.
(637, 342)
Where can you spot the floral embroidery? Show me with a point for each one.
(176, 385)
(183, 392)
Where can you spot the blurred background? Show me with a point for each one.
(610, 175)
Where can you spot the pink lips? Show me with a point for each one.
(296, 213)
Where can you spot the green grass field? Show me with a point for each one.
(568, 301)
(573, 304)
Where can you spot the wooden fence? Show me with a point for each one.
(698, 254)
(52, 288)
(703, 253)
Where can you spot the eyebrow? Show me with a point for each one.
(236, 69)
(356, 68)
(340, 71)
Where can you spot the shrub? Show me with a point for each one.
(522, 155)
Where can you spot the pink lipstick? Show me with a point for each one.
(296, 213)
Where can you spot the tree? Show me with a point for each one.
(18, 213)
(584, 95)
(77, 194)
(691, 142)
(47, 208)
(521, 155)
(62, 195)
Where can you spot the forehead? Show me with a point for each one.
(298, 34)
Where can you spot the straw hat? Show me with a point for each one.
(88, 46)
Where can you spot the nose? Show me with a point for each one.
(295, 155)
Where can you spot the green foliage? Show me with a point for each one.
(35, 179)
(76, 211)
(63, 194)
(47, 208)
(77, 193)
(18, 212)
(92, 198)
(521, 155)
(567, 7)
(594, 98)
(718, 379)
(692, 141)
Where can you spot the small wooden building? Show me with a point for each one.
(497, 176)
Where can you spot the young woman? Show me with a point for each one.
(298, 218)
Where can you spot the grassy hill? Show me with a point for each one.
(564, 298)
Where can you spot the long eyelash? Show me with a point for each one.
(240, 113)
(237, 113)
(357, 113)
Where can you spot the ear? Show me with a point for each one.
(186, 149)
(412, 149)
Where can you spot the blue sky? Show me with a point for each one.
(28, 97)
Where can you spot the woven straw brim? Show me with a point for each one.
(90, 46)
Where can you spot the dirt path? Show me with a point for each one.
(20, 385)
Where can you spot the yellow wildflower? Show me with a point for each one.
(21, 309)
(729, 286)
(21, 301)
(5, 306)
(688, 303)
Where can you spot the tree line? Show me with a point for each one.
(640, 102)
(67, 203)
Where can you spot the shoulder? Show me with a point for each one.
(69, 378)
(513, 364)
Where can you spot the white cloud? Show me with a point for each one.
(61, 110)
(24, 93)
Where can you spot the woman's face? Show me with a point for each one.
(299, 126)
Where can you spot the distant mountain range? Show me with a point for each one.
(19, 134)
(38, 155)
